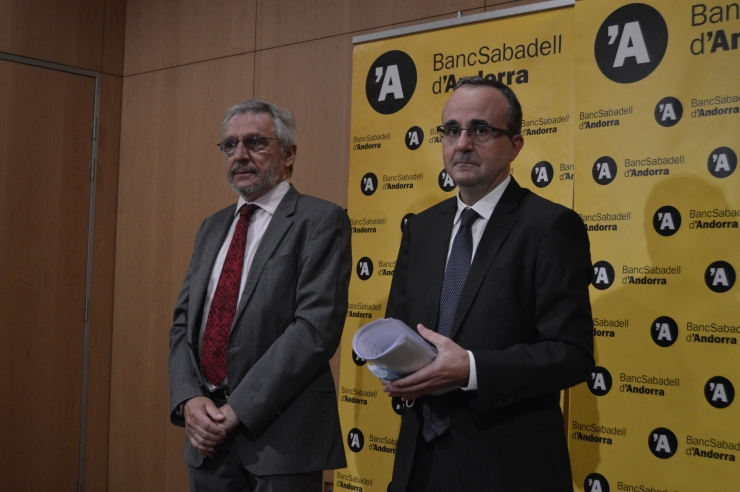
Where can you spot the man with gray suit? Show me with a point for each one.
(260, 314)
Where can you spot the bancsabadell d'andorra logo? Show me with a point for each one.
(631, 43)
(390, 82)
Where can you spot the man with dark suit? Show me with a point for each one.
(502, 275)
(260, 313)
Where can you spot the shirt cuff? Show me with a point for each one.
(473, 379)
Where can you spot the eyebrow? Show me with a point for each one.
(473, 122)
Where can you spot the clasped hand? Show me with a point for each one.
(207, 425)
(451, 368)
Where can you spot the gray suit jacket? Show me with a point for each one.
(288, 325)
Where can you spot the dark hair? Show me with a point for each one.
(515, 109)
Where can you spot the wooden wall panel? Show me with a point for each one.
(46, 118)
(171, 178)
(167, 33)
(313, 80)
(283, 22)
(68, 33)
(101, 302)
(113, 37)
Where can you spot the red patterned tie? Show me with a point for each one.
(223, 305)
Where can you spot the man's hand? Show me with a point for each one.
(451, 368)
(202, 425)
(230, 419)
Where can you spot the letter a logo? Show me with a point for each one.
(369, 184)
(595, 482)
(663, 443)
(355, 440)
(719, 392)
(603, 275)
(604, 170)
(667, 221)
(668, 111)
(720, 276)
(364, 268)
(722, 162)
(390, 82)
(664, 331)
(542, 174)
(600, 382)
(630, 43)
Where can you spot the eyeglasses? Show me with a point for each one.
(478, 134)
(252, 144)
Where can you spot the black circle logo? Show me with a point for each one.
(369, 184)
(603, 276)
(666, 221)
(359, 361)
(722, 162)
(390, 82)
(631, 43)
(397, 405)
(604, 170)
(668, 111)
(414, 137)
(355, 440)
(595, 482)
(663, 443)
(405, 221)
(445, 181)
(600, 382)
(365, 268)
(720, 276)
(719, 392)
(542, 174)
(664, 331)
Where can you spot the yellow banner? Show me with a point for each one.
(657, 127)
(399, 88)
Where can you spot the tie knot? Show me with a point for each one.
(246, 210)
(467, 217)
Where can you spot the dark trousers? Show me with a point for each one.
(435, 468)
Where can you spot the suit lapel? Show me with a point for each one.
(281, 221)
(213, 242)
(497, 229)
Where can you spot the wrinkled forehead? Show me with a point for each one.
(476, 104)
(251, 123)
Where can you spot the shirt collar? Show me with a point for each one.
(269, 201)
(485, 205)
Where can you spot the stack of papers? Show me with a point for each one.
(392, 349)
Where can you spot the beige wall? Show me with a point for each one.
(185, 63)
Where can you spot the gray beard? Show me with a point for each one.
(266, 180)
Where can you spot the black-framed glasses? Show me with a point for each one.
(479, 134)
(253, 143)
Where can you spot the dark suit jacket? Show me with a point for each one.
(287, 326)
(525, 314)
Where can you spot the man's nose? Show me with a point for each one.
(463, 141)
(241, 152)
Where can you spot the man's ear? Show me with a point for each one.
(517, 142)
(289, 158)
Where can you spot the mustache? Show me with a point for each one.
(242, 167)
(465, 157)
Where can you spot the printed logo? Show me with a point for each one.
(668, 111)
(359, 361)
(600, 382)
(603, 277)
(445, 181)
(666, 221)
(414, 137)
(405, 221)
(369, 184)
(663, 443)
(631, 43)
(664, 331)
(365, 268)
(604, 170)
(397, 405)
(720, 276)
(722, 162)
(542, 174)
(595, 482)
(719, 392)
(355, 440)
(390, 82)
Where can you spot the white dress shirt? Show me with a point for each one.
(484, 207)
(258, 223)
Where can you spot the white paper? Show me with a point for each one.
(392, 349)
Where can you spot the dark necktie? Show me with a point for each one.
(223, 305)
(436, 421)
